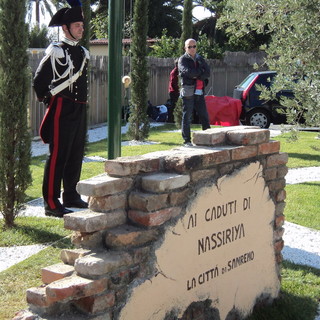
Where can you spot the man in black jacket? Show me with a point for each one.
(61, 83)
(194, 72)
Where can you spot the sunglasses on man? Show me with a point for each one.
(192, 47)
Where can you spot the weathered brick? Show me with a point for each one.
(69, 256)
(270, 174)
(277, 159)
(226, 169)
(216, 157)
(140, 254)
(102, 263)
(108, 202)
(183, 162)
(277, 234)
(248, 137)
(89, 221)
(279, 259)
(87, 240)
(209, 137)
(281, 195)
(96, 304)
(279, 221)
(37, 296)
(147, 201)
(103, 185)
(245, 152)
(25, 315)
(119, 279)
(176, 198)
(74, 287)
(280, 206)
(203, 174)
(128, 166)
(162, 182)
(155, 218)
(269, 147)
(277, 185)
(282, 171)
(278, 246)
(129, 236)
(56, 272)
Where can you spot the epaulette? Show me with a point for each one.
(86, 52)
(55, 50)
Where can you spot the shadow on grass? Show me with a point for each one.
(33, 230)
(38, 235)
(305, 156)
(290, 306)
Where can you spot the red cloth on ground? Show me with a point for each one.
(223, 111)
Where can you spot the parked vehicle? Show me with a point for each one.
(255, 111)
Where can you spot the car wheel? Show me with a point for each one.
(258, 117)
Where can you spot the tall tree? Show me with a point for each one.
(15, 141)
(293, 50)
(187, 26)
(162, 15)
(40, 6)
(138, 121)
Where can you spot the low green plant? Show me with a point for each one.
(303, 203)
(305, 152)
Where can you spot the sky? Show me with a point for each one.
(201, 13)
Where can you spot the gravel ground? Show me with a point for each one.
(302, 245)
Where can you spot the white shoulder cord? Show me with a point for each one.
(67, 73)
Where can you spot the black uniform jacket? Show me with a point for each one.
(67, 61)
(61, 62)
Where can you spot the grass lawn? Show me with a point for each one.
(300, 288)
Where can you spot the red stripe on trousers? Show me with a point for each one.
(54, 156)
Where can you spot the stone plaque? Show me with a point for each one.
(221, 250)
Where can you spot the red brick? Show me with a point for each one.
(56, 272)
(128, 166)
(108, 202)
(147, 201)
(74, 287)
(248, 137)
(277, 234)
(179, 197)
(281, 195)
(155, 218)
(279, 221)
(268, 148)
(37, 297)
(129, 236)
(277, 159)
(202, 174)
(216, 157)
(96, 304)
(278, 246)
(103, 185)
(270, 174)
(277, 185)
(69, 256)
(209, 137)
(282, 171)
(244, 152)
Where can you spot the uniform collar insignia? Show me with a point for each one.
(70, 42)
